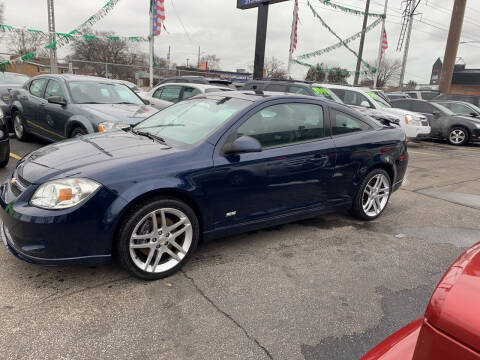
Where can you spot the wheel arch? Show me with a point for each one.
(75, 122)
(167, 192)
(389, 168)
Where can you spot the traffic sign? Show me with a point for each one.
(248, 4)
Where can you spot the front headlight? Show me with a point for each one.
(408, 119)
(111, 126)
(1, 114)
(63, 193)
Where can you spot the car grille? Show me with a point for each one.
(18, 184)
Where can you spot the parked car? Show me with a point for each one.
(472, 99)
(222, 83)
(450, 327)
(211, 166)
(133, 87)
(423, 94)
(8, 82)
(413, 124)
(167, 94)
(460, 107)
(293, 87)
(397, 96)
(4, 141)
(456, 129)
(381, 94)
(56, 107)
(185, 79)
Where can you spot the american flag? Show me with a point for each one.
(384, 44)
(158, 9)
(293, 37)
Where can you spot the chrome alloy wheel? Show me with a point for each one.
(160, 240)
(18, 126)
(457, 136)
(375, 196)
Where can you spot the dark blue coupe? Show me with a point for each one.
(212, 166)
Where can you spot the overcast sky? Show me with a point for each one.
(221, 29)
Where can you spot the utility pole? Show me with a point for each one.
(410, 12)
(168, 56)
(187, 61)
(198, 62)
(51, 30)
(151, 46)
(362, 40)
(451, 49)
(379, 57)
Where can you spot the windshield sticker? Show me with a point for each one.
(320, 91)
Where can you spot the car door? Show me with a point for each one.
(31, 102)
(292, 172)
(54, 117)
(435, 118)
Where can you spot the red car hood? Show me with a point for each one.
(455, 304)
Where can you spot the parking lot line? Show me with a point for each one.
(424, 153)
(15, 156)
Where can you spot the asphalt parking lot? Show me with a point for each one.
(326, 288)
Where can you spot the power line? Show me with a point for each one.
(181, 22)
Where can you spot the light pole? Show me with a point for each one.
(51, 30)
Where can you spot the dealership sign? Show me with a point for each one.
(248, 4)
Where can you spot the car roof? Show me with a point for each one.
(280, 82)
(71, 77)
(195, 85)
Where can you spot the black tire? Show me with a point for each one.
(19, 127)
(357, 209)
(6, 159)
(134, 217)
(458, 136)
(78, 131)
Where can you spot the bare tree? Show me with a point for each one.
(388, 73)
(316, 73)
(411, 85)
(23, 42)
(212, 60)
(275, 68)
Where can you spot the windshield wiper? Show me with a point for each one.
(150, 136)
(127, 103)
(90, 102)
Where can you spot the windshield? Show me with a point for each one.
(19, 79)
(96, 92)
(326, 93)
(190, 121)
(378, 100)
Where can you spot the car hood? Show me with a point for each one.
(125, 113)
(454, 306)
(402, 112)
(92, 156)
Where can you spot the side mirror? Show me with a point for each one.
(436, 114)
(57, 100)
(146, 102)
(474, 114)
(365, 104)
(244, 144)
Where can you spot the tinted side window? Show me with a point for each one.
(189, 92)
(276, 87)
(413, 95)
(252, 86)
(423, 107)
(285, 124)
(171, 93)
(36, 87)
(344, 124)
(402, 104)
(458, 108)
(53, 89)
(157, 94)
(298, 90)
(354, 98)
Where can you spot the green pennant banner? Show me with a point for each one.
(349, 10)
(315, 14)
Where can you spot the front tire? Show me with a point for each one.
(78, 131)
(458, 136)
(19, 127)
(373, 196)
(157, 238)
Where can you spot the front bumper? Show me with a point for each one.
(414, 131)
(81, 235)
(475, 136)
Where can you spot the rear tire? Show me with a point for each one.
(458, 136)
(373, 196)
(19, 127)
(157, 237)
(4, 162)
